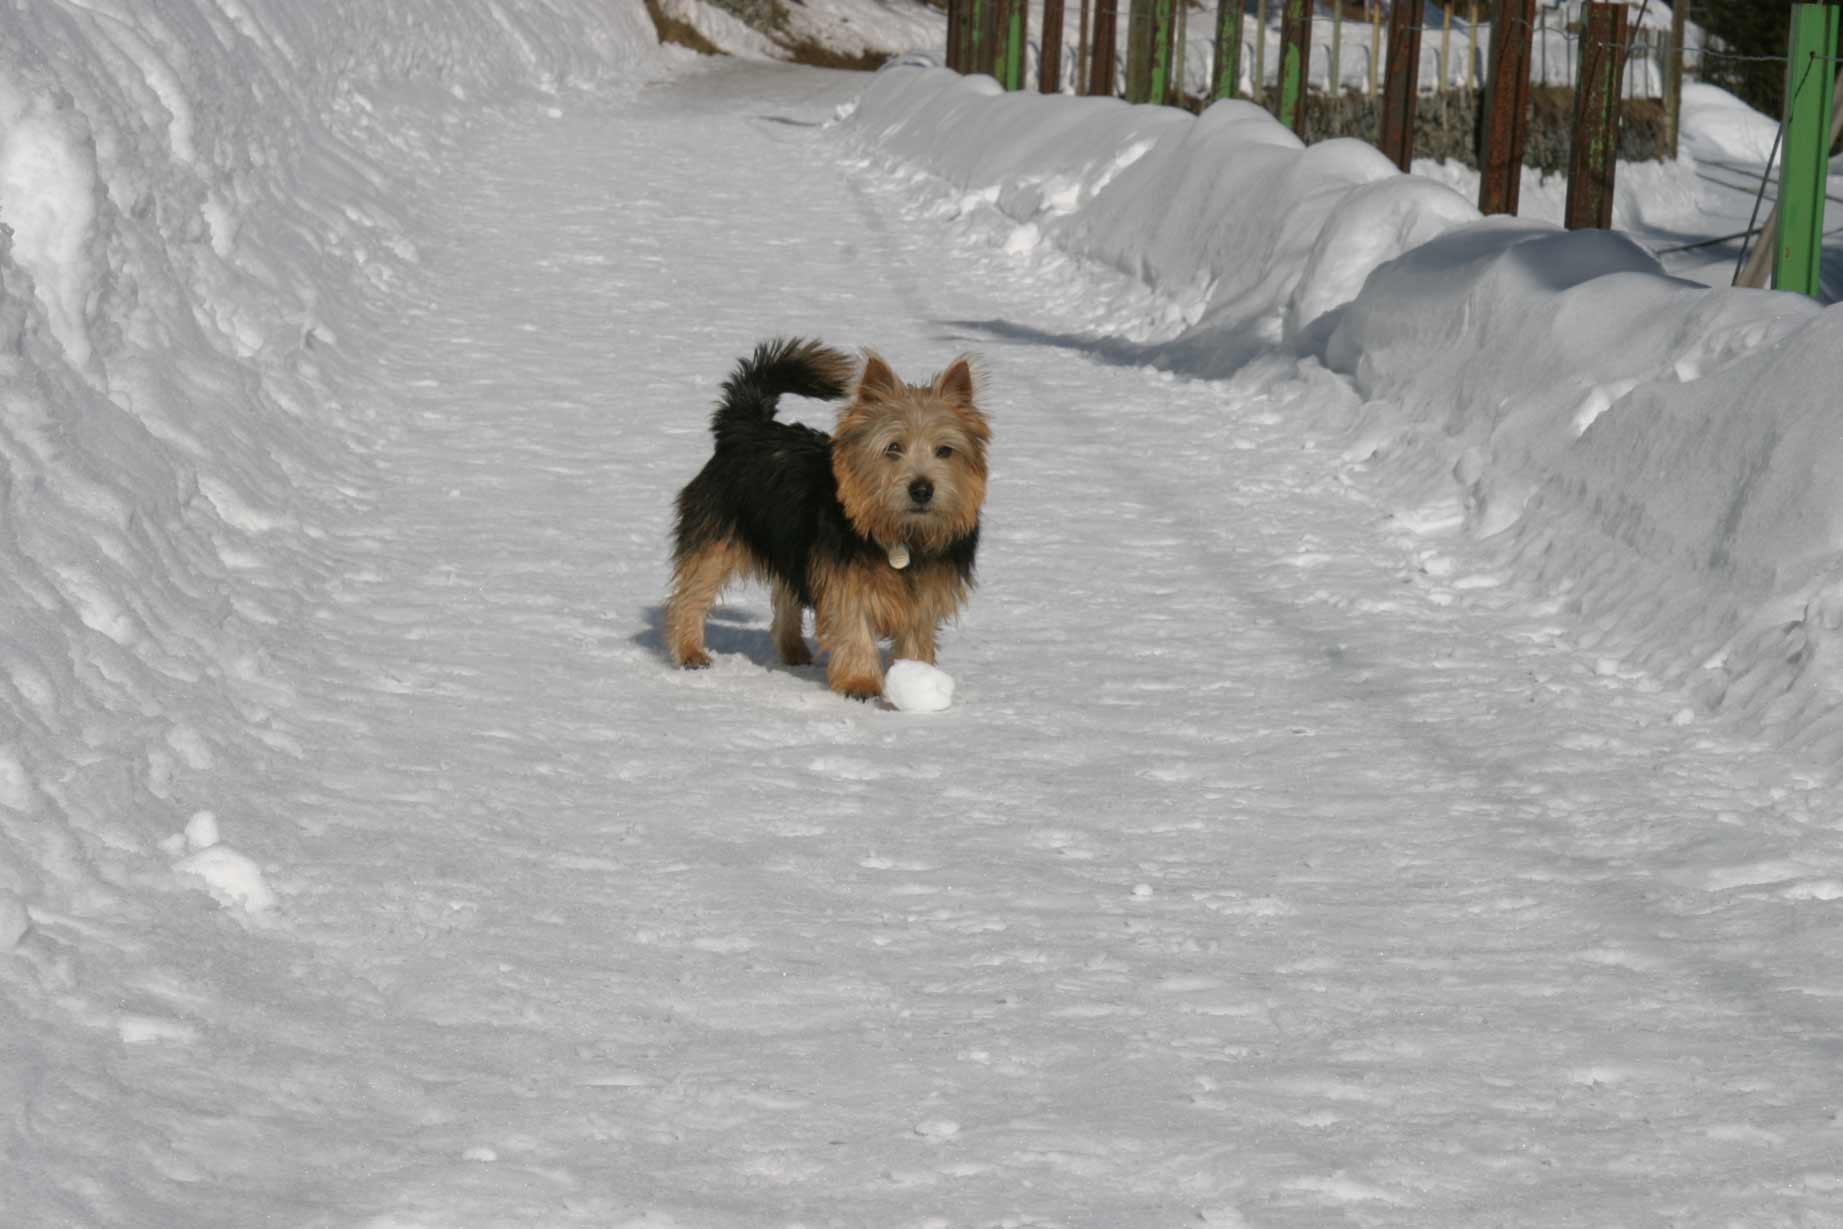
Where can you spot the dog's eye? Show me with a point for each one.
(893, 452)
(943, 452)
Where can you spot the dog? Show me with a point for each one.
(874, 528)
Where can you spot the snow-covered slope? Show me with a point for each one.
(203, 203)
(1656, 453)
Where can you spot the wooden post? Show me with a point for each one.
(1542, 32)
(1260, 53)
(1295, 63)
(1404, 87)
(1446, 47)
(1804, 166)
(1335, 85)
(1101, 66)
(1225, 80)
(952, 58)
(1506, 107)
(1594, 150)
(1175, 93)
(1049, 70)
(1081, 51)
(1471, 46)
(1673, 79)
(1375, 47)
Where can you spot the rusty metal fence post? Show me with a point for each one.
(1225, 77)
(1150, 42)
(1594, 150)
(1506, 107)
(1049, 74)
(1101, 58)
(977, 26)
(1404, 85)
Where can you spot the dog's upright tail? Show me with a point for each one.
(785, 365)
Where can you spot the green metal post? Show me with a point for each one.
(1226, 83)
(1164, 43)
(1295, 62)
(1803, 170)
(1013, 42)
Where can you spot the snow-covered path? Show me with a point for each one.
(1276, 865)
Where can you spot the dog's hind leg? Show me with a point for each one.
(697, 579)
(789, 619)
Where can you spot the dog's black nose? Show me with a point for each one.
(921, 490)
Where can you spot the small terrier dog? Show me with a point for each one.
(873, 528)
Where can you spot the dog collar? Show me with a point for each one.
(899, 556)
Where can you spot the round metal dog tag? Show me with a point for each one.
(899, 556)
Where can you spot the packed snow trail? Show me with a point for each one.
(1275, 865)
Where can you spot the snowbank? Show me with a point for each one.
(1660, 455)
(199, 199)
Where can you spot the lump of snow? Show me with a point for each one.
(232, 879)
(201, 831)
(917, 687)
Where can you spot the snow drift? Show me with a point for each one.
(1657, 454)
(198, 199)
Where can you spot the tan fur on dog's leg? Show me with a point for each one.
(789, 618)
(696, 583)
(915, 643)
(855, 668)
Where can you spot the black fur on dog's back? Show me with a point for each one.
(770, 484)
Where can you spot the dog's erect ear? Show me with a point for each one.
(879, 382)
(956, 383)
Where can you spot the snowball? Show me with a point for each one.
(201, 831)
(234, 880)
(917, 687)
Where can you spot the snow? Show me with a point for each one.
(917, 687)
(1400, 778)
(1519, 375)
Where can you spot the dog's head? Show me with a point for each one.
(911, 459)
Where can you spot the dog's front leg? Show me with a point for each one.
(915, 642)
(855, 668)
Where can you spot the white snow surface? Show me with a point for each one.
(1392, 775)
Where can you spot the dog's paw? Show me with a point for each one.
(801, 656)
(699, 660)
(859, 688)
